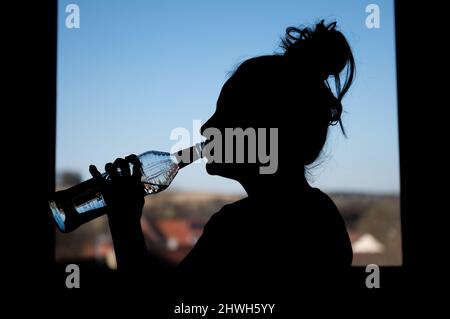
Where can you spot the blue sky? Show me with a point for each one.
(135, 70)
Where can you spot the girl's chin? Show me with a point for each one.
(211, 168)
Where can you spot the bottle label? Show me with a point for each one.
(94, 203)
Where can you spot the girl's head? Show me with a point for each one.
(288, 91)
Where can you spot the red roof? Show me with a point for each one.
(175, 228)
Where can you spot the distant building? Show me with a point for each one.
(367, 244)
(175, 237)
(67, 179)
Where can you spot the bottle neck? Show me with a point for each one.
(189, 155)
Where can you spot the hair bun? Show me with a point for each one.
(323, 45)
(324, 52)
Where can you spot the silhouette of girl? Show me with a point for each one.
(284, 228)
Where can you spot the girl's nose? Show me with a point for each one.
(207, 125)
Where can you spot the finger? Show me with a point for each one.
(137, 165)
(96, 175)
(94, 172)
(111, 170)
(123, 166)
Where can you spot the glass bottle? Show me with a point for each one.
(83, 202)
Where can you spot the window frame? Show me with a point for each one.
(391, 276)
